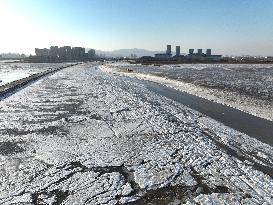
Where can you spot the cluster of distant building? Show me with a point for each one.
(70, 54)
(192, 56)
(61, 54)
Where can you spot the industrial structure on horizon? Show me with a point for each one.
(65, 53)
(191, 56)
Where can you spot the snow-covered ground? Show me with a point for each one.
(245, 87)
(84, 136)
(14, 71)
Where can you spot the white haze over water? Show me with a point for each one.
(14, 71)
(7, 77)
(9, 73)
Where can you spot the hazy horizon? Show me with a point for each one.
(227, 27)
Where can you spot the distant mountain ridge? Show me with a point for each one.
(127, 52)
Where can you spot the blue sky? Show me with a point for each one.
(226, 26)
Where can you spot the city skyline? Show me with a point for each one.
(228, 27)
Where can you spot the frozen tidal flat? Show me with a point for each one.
(83, 136)
(14, 71)
(246, 87)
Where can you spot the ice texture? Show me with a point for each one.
(85, 136)
(247, 87)
(10, 72)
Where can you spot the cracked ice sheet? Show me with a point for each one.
(246, 87)
(84, 136)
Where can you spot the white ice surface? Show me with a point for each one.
(82, 136)
(246, 103)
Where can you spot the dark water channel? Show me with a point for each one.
(253, 126)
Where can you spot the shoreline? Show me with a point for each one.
(247, 104)
(85, 135)
(8, 88)
(197, 62)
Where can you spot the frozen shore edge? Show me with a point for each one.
(17, 84)
(246, 104)
(84, 136)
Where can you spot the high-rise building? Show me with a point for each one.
(65, 53)
(177, 53)
(91, 54)
(199, 51)
(78, 53)
(68, 52)
(191, 51)
(208, 52)
(62, 53)
(41, 52)
(169, 50)
(53, 51)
